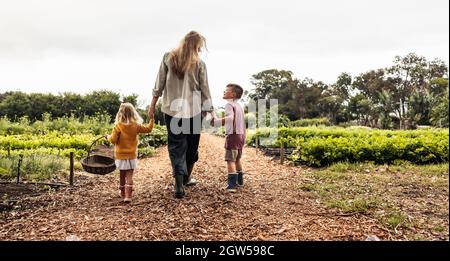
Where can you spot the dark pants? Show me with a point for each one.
(183, 142)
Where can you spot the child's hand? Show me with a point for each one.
(214, 119)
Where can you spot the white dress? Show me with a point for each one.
(126, 164)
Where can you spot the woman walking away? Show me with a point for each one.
(183, 82)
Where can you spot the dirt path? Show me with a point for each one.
(271, 206)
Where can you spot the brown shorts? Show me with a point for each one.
(233, 155)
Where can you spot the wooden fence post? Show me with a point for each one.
(18, 168)
(281, 152)
(256, 144)
(71, 169)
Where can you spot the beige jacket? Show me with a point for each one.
(183, 98)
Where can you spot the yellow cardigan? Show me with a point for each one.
(125, 139)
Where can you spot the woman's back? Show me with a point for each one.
(182, 97)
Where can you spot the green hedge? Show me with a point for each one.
(323, 146)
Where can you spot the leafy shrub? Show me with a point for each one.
(319, 146)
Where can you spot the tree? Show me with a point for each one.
(308, 98)
(419, 108)
(280, 85)
(72, 104)
(360, 108)
(44, 103)
(343, 86)
(331, 107)
(405, 91)
(4, 95)
(371, 83)
(439, 113)
(410, 72)
(102, 102)
(133, 99)
(437, 69)
(15, 105)
(438, 86)
(385, 108)
(269, 80)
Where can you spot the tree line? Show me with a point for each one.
(411, 92)
(15, 105)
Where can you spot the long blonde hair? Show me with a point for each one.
(127, 114)
(185, 57)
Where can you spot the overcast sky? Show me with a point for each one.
(84, 45)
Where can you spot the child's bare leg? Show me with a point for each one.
(123, 174)
(238, 165)
(129, 186)
(231, 166)
(129, 177)
(122, 183)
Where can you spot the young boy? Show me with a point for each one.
(235, 135)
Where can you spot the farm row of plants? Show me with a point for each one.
(320, 146)
(94, 125)
(46, 145)
(62, 144)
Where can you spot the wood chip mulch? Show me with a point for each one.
(270, 206)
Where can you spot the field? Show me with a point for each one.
(46, 145)
(338, 184)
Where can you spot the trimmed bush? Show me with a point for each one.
(323, 146)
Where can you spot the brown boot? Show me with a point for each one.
(122, 191)
(128, 193)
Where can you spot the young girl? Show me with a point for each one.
(124, 136)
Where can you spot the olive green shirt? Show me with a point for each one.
(183, 98)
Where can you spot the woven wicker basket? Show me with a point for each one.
(98, 164)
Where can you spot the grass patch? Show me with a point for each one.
(42, 167)
(398, 196)
(359, 205)
(76, 165)
(432, 169)
(346, 166)
(308, 187)
(33, 167)
(396, 220)
(439, 228)
(330, 176)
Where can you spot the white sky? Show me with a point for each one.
(84, 45)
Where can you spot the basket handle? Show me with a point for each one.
(90, 147)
